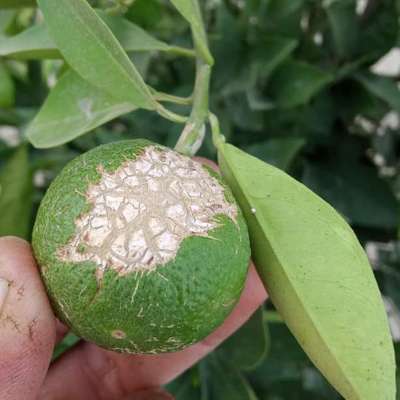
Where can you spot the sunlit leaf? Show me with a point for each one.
(35, 42)
(73, 107)
(191, 11)
(317, 275)
(91, 49)
(16, 195)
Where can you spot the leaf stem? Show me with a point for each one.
(193, 134)
(168, 98)
(217, 137)
(182, 51)
(170, 115)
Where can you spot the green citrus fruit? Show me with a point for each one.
(142, 250)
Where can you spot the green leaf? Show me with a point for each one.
(278, 152)
(17, 3)
(186, 386)
(73, 108)
(317, 275)
(344, 27)
(267, 55)
(296, 83)
(90, 48)
(272, 52)
(384, 88)
(35, 42)
(221, 380)
(287, 372)
(16, 195)
(190, 10)
(67, 343)
(7, 88)
(247, 347)
(32, 43)
(347, 185)
(284, 16)
(6, 19)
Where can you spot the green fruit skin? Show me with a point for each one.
(166, 310)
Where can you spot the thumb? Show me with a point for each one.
(27, 324)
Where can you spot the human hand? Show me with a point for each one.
(29, 331)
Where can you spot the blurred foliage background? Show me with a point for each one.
(310, 86)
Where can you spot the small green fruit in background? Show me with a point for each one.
(142, 250)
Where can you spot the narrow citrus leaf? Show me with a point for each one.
(223, 381)
(32, 43)
(73, 108)
(344, 27)
(91, 49)
(15, 195)
(36, 43)
(6, 19)
(296, 83)
(67, 343)
(317, 275)
(382, 87)
(247, 347)
(17, 3)
(280, 152)
(7, 88)
(191, 12)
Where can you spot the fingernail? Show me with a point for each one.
(4, 288)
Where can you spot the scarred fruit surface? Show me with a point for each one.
(142, 250)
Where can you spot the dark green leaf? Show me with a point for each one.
(317, 275)
(73, 108)
(221, 380)
(7, 88)
(382, 87)
(283, 17)
(91, 49)
(296, 83)
(186, 387)
(380, 29)
(278, 152)
(356, 191)
(249, 345)
(16, 195)
(287, 372)
(268, 54)
(344, 27)
(272, 52)
(67, 343)
(17, 3)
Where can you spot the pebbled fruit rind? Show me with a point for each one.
(166, 310)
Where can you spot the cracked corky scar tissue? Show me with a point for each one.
(142, 212)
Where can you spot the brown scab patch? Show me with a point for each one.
(118, 334)
(141, 213)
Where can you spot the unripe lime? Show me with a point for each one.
(142, 250)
